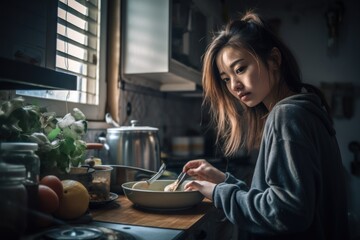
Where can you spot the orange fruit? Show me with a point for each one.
(75, 200)
(48, 199)
(54, 183)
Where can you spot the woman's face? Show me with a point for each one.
(246, 78)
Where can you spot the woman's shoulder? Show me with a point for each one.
(300, 110)
(307, 102)
(297, 104)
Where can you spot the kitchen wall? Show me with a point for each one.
(172, 114)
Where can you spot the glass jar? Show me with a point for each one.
(24, 154)
(13, 201)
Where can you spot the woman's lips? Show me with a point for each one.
(243, 96)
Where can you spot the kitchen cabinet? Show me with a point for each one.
(162, 43)
(17, 75)
(27, 48)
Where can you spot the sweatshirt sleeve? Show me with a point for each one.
(282, 196)
(229, 178)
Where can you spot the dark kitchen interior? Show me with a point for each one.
(149, 69)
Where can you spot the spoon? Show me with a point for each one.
(145, 184)
(173, 186)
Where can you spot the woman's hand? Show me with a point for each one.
(202, 170)
(206, 188)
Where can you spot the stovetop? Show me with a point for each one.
(105, 230)
(140, 233)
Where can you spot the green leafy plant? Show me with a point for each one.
(59, 139)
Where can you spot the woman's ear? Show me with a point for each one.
(275, 59)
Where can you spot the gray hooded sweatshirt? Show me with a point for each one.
(298, 189)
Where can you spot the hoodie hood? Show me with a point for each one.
(311, 103)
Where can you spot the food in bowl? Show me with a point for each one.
(155, 198)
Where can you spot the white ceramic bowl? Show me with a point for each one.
(156, 199)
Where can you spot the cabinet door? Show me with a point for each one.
(150, 53)
(145, 36)
(188, 31)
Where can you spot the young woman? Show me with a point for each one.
(257, 100)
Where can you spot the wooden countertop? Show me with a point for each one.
(123, 211)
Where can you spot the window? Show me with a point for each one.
(80, 51)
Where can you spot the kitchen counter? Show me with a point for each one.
(125, 212)
(202, 221)
(193, 221)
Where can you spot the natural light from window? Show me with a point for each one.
(77, 51)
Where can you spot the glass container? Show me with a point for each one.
(13, 201)
(21, 153)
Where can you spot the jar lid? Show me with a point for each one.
(18, 146)
(12, 171)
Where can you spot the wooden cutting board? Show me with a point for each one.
(123, 211)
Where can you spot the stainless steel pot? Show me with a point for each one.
(136, 146)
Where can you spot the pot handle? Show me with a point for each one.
(97, 146)
(102, 140)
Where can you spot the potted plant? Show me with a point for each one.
(59, 139)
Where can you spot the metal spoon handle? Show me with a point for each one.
(157, 175)
(181, 178)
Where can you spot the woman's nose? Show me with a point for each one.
(236, 85)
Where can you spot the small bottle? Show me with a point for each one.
(24, 154)
(13, 201)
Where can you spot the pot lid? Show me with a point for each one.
(133, 128)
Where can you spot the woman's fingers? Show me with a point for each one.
(190, 186)
(202, 170)
(193, 164)
(206, 188)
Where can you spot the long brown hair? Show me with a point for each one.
(237, 125)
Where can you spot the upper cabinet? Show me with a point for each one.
(162, 43)
(28, 47)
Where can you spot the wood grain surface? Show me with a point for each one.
(123, 211)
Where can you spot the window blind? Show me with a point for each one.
(78, 28)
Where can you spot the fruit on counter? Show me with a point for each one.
(48, 199)
(75, 200)
(54, 183)
(49, 194)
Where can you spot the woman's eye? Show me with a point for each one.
(240, 69)
(226, 80)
